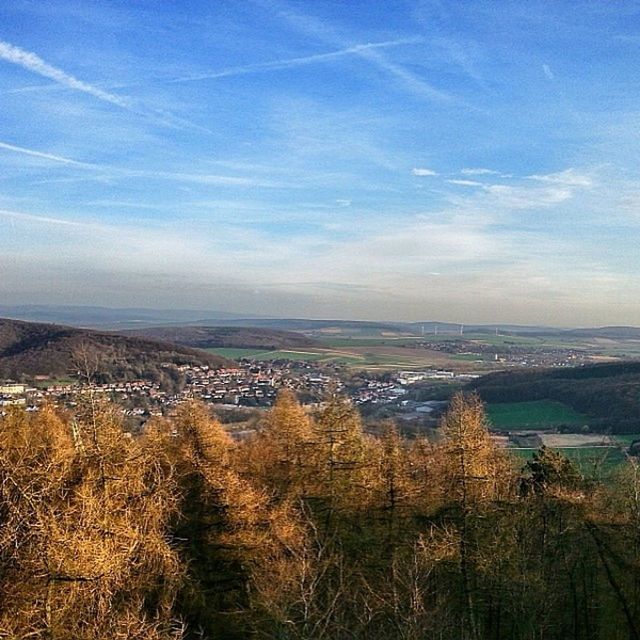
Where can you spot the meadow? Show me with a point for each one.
(538, 414)
(369, 356)
(596, 463)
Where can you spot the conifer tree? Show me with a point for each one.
(339, 449)
(84, 548)
(278, 456)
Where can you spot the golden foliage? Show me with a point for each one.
(84, 544)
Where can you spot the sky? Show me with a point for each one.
(370, 159)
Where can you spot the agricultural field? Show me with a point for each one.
(571, 440)
(470, 352)
(380, 357)
(592, 462)
(626, 439)
(237, 353)
(539, 414)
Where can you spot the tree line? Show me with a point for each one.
(309, 529)
(607, 393)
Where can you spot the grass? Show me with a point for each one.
(626, 438)
(539, 414)
(236, 354)
(593, 462)
(283, 354)
(354, 359)
(367, 342)
(304, 356)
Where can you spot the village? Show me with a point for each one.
(250, 384)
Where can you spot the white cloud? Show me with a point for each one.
(424, 172)
(568, 177)
(465, 183)
(521, 197)
(547, 71)
(480, 171)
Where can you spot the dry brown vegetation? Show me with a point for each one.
(308, 530)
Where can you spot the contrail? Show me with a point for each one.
(46, 156)
(33, 62)
(288, 63)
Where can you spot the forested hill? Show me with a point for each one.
(29, 348)
(609, 393)
(233, 337)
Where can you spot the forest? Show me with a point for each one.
(309, 529)
(607, 393)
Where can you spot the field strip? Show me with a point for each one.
(575, 446)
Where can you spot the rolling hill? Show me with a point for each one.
(226, 337)
(28, 349)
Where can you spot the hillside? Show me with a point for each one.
(28, 348)
(609, 393)
(227, 337)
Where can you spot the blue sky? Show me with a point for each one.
(407, 160)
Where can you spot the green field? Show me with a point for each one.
(626, 438)
(358, 360)
(539, 414)
(367, 342)
(467, 357)
(303, 356)
(593, 462)
(236, 354)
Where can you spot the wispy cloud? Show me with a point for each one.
(496, 201)
(568, 177)
(480, 171)
(29, 217)
(465, 183)
(178, 176)
(321, 30)
(547, 71)
(44, 156)
(288, 63)
(424, 172)
(34, 63)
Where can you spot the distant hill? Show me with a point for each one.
(28, 348)
(232, 337)
(308, 325)
(609, 393)
(107, 318)
(120, 319)
(614, 333)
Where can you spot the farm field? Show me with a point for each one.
(370, 356)
(374, 341)
(626, 438)
(237, 353)
(593, 462)
(570, 440)
(262, 354)
(365, 348)
(539, 414)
